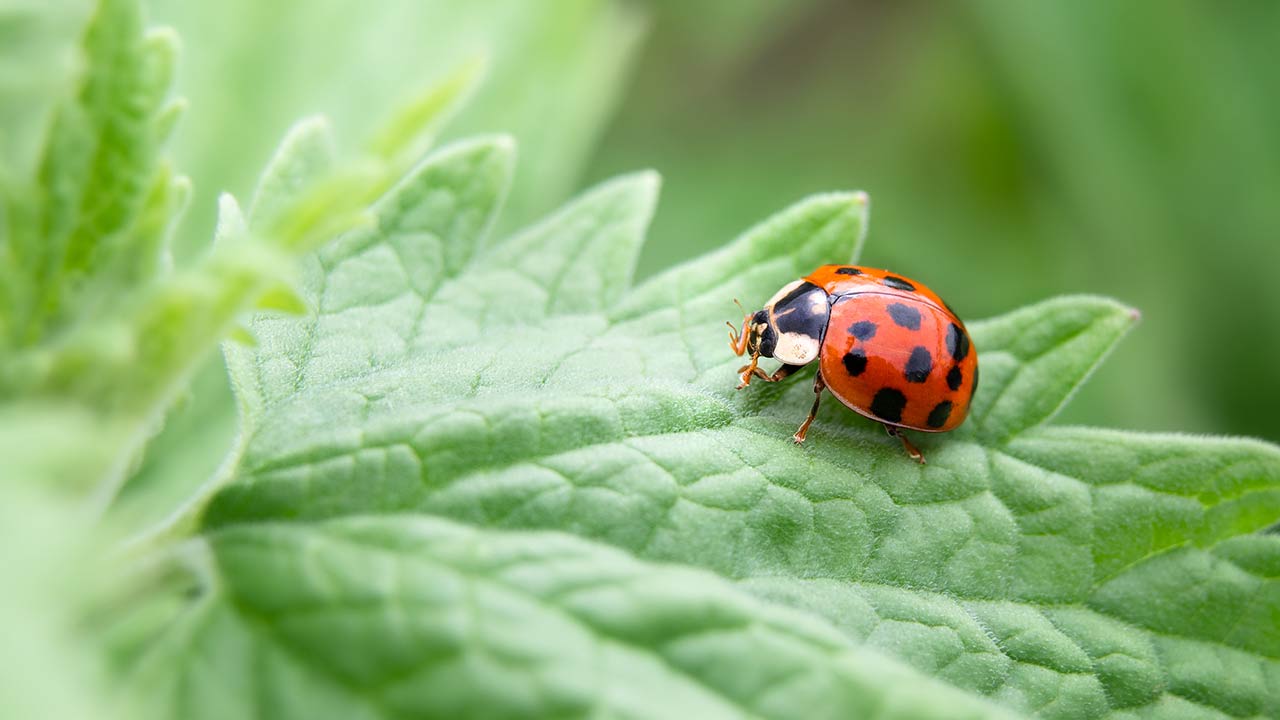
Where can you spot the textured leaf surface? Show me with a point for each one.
(399, 616)
(504, 392)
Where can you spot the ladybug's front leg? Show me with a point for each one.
(747, 371)
(818, 386)
(738, 340)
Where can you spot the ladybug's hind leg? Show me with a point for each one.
(912, 450)
(818, 386)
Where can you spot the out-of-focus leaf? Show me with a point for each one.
(552, 75)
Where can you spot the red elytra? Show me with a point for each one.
(887, 347)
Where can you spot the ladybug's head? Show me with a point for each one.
(762, 339)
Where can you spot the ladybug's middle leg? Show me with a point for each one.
(912, 450)
(818, 386)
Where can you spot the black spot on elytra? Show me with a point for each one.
(848, 271)
(855, 361)
(897, 282)
(974, 389)
(863, 330)
(954, 377)
(888, 404)
(957, 342)
(939, 414)
(919, 365)
(905, 315)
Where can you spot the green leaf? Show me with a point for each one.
(551, 76)
(1042, 354)
(416, 617)
(521, 387)
(305, 156)
(100, 163)
(70, 210)
(403, 135)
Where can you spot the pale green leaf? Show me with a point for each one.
(100, 163)
(305, 156)
(409, 132)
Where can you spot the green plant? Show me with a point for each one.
(487, 477)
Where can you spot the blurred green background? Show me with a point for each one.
(1013, 151)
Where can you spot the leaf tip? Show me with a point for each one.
(495, 152)
(411, 130)
(243, 336)
(503, 142)
(231, 222)
(181, 189)
(850, 209)
(1057, 345)
(649, 179)
(168, 117)
(642, 184)
(314, 128)
(283, 298)
(1124, 315)
(163, 40)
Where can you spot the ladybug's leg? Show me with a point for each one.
(738, 340)
(912, 450)
(748, 371)
(780, 374)
(818, 386)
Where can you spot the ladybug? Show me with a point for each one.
(887, 347)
